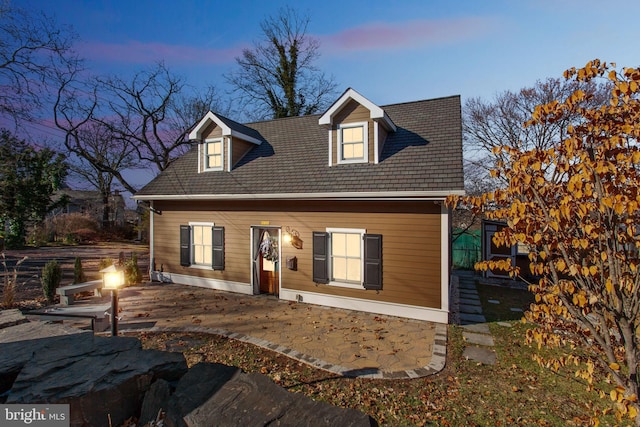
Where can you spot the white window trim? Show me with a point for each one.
(193, 264)
(206, 154)
(360, 231)
(365, 137)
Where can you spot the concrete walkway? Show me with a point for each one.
(476, 333)
(345, 342)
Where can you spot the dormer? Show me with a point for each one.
(357, 129)
(222, 142)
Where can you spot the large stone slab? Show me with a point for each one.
(99, 377)
(194, 388)
(253, 399)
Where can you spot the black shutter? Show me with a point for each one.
(218, 248)
(320, 257)
(185, 245)
(373, 261)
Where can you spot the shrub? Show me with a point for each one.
(51, 277)
(69, 228)
(10, 282)
(105, 262)
(132, 273)
(78, 272)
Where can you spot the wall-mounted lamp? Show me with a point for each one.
(293, 237)
(112, 279)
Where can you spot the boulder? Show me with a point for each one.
(155, 401)
(101, 378)
(195, 388)
(255, 400)
(107, 380)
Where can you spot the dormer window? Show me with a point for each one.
(352, 143)
(357, 129)
(213, 154)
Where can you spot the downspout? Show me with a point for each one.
(152, 258)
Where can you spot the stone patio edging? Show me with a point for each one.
(437, 363)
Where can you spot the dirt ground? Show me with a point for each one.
(28, 291)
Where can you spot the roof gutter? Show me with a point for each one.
(388, 195)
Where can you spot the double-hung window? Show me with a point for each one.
(214, 160)
(347, 257)
(202, 245)
(352, 142)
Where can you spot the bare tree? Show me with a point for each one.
(32, 48)
(94, 148)
(499, 123)
(154, 113)
(146, 120)
(277, 77)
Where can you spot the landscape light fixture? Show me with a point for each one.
(113, 279)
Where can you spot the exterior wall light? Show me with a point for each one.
(293, 237)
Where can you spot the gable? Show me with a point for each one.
(231, 142)
(370, 121)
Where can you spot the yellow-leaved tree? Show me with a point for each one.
(576, 206)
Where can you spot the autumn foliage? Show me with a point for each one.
(576, 206)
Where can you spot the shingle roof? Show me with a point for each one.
(423, 155)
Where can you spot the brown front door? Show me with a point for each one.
(265, 274)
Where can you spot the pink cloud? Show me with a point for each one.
(404, 35)
(135, 52)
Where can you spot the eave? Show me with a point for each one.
(390, 195)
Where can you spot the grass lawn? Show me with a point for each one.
(515, 391)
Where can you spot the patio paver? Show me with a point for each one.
(345, 342)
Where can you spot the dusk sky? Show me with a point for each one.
(389, 51)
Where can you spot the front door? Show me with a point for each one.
(265, 256)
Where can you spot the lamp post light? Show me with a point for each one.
(112, 279)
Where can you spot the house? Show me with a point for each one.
(344, 209)
(92, 203)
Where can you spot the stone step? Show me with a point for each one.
(480, 328)
(469, 301)
(480, 354)
(479, 339)
(464, 284)
(470, 309)
(467, 318)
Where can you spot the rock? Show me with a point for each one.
(194, 388)
(11, 318)
(99, 377)
(253, 399)
(107, 380)
(154, 400)
(19, 343)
